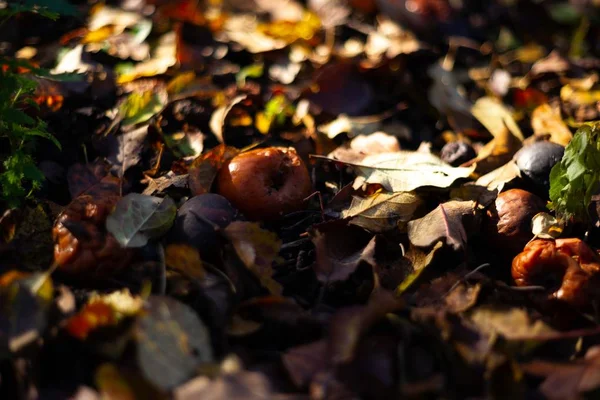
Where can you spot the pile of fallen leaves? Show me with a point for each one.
(423, 222)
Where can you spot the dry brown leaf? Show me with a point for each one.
(382, 211)
(546, 120)
(445, 222)
(257, 248)
(340, 250)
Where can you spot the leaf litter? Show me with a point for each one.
(383, 281)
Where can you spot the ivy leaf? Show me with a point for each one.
(138, 218)
(576, 177)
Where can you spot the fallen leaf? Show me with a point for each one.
(546, 120)
(508, 137)
(172, 342)
(304, 362)
(126, 149)
(349, 324)
(405, 171)
(112, 384)
(496, 179)
(445, 222)
(339, 251)
(140, 107)
(163, 57)
(419, 261)
(164, 182)
(567, 380)
(25, 301)
(495, 117)
(545, 226)
(205, 168)
(185, 259)
(138, 218)
(382, 211)
(217, 120)
(448, 97)
(511, 323)
(257, 248)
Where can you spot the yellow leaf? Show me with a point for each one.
(99, 35)
(546, 120)
(185, 259)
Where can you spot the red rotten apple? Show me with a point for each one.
(265, 183)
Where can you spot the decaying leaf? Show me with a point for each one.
(172, 342)
(217, 120)
(257, 248)
(138, 218)
(568, 381)
(112, 384)
(546, 120)
(185, 259)
(545, 226)
(126, 150)
(511, 323)
(140, 107)
(443, 223)
(419, 261)
(25, 301)
(496, 179)
(340, 251)
(382, 211)
(204, 168)
(405, 171)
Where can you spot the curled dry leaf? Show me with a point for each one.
(546, 120)
(257, 248)
(545, 226)
(205, 168)
(508, 137)
(445, 222)
(382, 211)
(496, 179)
(405, 171)
(419, 260)
(217, 120)
(138, 218)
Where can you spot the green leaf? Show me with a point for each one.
(576, 177)
(140, 107)
(138, 218)
(44, 134)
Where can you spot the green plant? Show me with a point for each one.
(19, 175)
(576, 178)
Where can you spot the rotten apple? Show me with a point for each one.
(265, 184)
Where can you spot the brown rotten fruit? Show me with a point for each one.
(568, 268)
(509, 220)
(265, 184)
